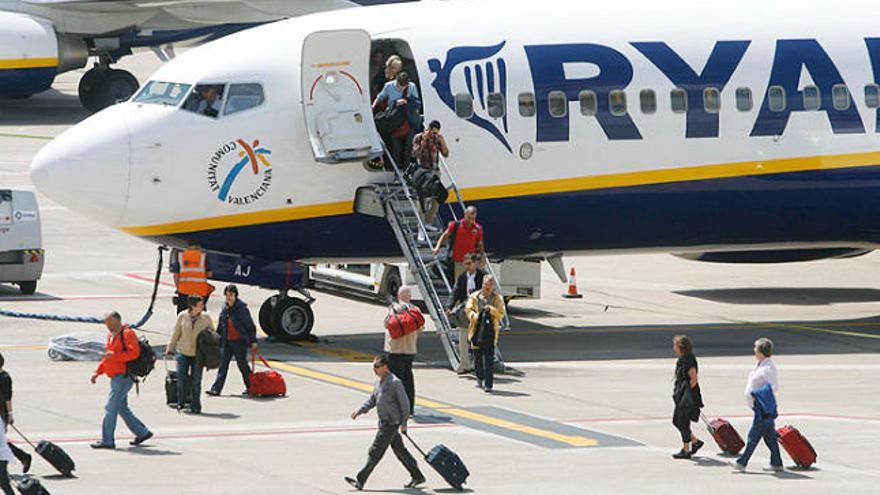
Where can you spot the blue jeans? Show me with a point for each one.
(189, 375)
(117, 405)
(766, 429)
(239, 350)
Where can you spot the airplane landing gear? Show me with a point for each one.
(286, 318)
(102, 87)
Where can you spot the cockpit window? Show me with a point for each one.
(206, 99)
(243, 97)
(162, 93)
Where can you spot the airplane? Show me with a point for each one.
(574, 127)
(40, 39)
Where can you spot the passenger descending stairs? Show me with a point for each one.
(398, 203)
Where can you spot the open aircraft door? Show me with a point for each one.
(336, 98)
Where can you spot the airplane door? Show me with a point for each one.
(336, 99)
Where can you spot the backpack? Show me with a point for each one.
(208, 349)
(400, 323)
(143, 364)
(484, 337)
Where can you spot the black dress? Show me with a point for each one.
(688, 401)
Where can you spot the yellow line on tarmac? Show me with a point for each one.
(821, 330)
(576, 441)
(337, 352)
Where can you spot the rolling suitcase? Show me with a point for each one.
(446, 463)
(724, 434)
(30, 486)
(265, 383)
(798, 447)
(53, 454)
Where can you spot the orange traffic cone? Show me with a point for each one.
(572, 287)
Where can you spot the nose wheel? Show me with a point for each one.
(102, 87)
(287, 318)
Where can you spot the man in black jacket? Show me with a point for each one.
(468, 282)
(237, 334)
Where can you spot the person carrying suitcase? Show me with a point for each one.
(237, 334)
(485, 310)
(392, 405)
(402, 351)
(761, 389)
(184, 341)
(686, 395)
(122, 347)
(6, 414)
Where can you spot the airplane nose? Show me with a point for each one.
(87, 167)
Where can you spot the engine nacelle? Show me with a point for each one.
(32, 54)
(775, 256)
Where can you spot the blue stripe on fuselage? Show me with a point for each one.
(25, 82)
(841, 205)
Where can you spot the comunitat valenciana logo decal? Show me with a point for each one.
(239, 173)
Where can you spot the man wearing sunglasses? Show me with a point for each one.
(391, 403)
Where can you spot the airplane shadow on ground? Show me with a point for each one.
(536, 342)
(51, 107)
(805, 296)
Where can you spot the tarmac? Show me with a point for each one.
(585, 408)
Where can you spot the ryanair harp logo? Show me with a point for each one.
(478, 71)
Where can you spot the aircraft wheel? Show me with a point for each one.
(292, 319)
(119, 86)
(28, 288)
(89, 89)
(266, 316)
(391, 284)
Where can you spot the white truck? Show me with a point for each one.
(520, 279)
(21, 244)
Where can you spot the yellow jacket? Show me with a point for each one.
(186, 332)
(476, 301)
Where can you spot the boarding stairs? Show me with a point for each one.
(399, 204)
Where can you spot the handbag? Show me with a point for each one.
(401, 323)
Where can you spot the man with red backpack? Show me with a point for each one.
(403, 323)
(122, 347)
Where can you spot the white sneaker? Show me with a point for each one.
(774, 469)
(736, 465)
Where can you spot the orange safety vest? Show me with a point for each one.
(192, 279)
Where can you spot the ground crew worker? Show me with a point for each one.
(192, 276)
(389, 399)
(122, 347)
(466, 237)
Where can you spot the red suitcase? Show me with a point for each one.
(725, 435)
(265, 383)
(798, 447)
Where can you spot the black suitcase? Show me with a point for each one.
(446, 463)
(57, 457)
(53, 454)
(171, 388)
(30, 486)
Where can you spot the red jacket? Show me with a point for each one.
(115, 363)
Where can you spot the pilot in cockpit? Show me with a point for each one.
(207, 99)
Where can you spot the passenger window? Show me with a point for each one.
(206, 99)
(243, 97)
(587, 100)
(840, 97)
(495, 105)
(679, 100)
(744, 99)
(776, 97)
(872, 95)
(558, 104)
(812, 100)
(464, 105)
(712, 100)
(648, 101)
(617, 102)
(526, 104)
